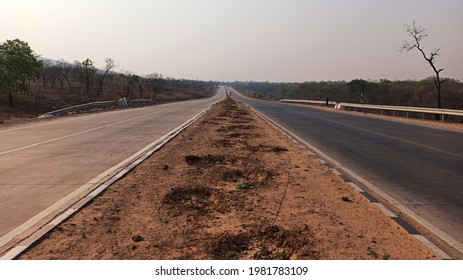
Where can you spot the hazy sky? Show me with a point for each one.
(260, 40)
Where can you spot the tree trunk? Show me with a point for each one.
(437, 83)
(10, 99)
(154, 96)
(99, 87)
(69, 84)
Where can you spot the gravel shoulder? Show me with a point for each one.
(230, 187)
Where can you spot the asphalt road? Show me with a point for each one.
(44, 162)
(421, 168)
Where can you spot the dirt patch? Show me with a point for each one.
(264, 148)
(205, 161)
(210, 195)
(233, 175)
(268, 243)
(236, 127)
(187, 199)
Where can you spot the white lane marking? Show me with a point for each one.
(384, 209)
(355, 187)
(157, 144)
(216, 97)
(335, 172)
(62, 217)
(388, 136)
(431, 246)
(13, 253)
(43, 124)
(23, 227)
(78, 133)
(402, 208)
(57, 121)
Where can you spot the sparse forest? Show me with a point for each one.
(84, 79)
(46, 85)
(434, 91)
(397, 93)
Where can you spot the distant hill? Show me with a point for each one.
(48, 61)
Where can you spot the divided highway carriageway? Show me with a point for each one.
(419, 168)
(47, 165)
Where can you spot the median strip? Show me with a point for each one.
(230, 186)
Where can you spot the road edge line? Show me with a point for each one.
(127, 165)
(324, 158)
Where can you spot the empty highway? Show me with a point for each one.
(420, 168)
(43, 162)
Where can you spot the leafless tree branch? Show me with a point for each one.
(417, 33)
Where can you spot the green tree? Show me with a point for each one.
(18, 65)
(358, 84)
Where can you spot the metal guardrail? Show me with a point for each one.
(431, 111)
(316, 102)
(98, 104)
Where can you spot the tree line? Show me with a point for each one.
(433, 91)
(87, 79)
(21, 69)
(84, 77)
(385, 92)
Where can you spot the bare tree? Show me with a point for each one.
(54, 73)
(109, 64)
(45, 75)
(65, 73)
(86, 73)
(417, 33)
(61, 79)
(155, 82)
(140, 82)
(117, 84)
(50, 74)
(128, 80)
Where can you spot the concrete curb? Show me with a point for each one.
(334, 166)
(21, 246)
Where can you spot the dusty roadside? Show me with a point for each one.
(230, 187)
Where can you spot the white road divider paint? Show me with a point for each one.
(78, 133)
(318, 155)
(98, 184)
